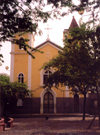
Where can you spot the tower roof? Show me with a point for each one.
(73, 23)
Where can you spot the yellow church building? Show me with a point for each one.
(28, 70)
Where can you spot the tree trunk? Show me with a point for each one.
(84, 106)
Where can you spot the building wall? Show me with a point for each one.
(37, 71)
(32, 70)
(19, 59)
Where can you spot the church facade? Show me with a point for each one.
(28, 70)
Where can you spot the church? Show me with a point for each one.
(27, 70)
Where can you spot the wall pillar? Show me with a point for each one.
(12, 63)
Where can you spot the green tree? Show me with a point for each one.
(10, 92)
(20, 16)
(23, 16)
(76, 65)
(4, 78)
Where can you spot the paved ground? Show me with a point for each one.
(52, 126)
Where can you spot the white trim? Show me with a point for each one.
(67, 91)
(42, 97)
(20, 77)
(31, 40)
(48, 43)
(18, 53)
(41, 77)
(30, 62)
(29, 71)
(12, 63)
(20, 73)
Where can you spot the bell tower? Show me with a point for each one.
(73, 24)
(20, 60)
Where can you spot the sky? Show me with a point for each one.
(55, 34)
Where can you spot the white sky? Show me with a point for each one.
(55, 35)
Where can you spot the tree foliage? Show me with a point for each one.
(20, 16)
(4, 78)
(23, 16)
(9, 93)
(77, 65)
(80, 53)
(13, 89)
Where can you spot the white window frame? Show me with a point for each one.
(42, 72)
(21, 78)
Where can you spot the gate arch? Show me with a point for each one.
(48, 99)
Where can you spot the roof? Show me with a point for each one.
(73, 23)
(48, 41)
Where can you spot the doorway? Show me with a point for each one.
(48, 103)
(76, 103)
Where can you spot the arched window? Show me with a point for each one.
(21, 78)
(46, 75)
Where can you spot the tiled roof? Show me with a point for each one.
(73, 23)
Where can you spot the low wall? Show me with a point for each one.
(63, 105)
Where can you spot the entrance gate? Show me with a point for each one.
(48, 103)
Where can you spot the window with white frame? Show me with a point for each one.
(46, 74)
(21, 78)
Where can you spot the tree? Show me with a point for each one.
(3, 78)
(23, 16)
(20, 16)
(10, 92)
(75, 65)
(16, 16)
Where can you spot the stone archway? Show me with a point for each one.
(48, 101)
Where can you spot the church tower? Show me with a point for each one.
(30, 71)
(21, 61)
(72, 25)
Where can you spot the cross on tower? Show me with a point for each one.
(47, 29)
